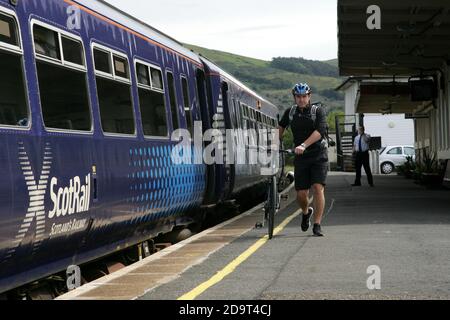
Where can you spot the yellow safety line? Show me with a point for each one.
(236, 262)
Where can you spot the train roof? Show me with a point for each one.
(111, 12)
(215, 68)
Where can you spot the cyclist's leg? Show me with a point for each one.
(302, 199)
(319, 202)
(319, 174)
(302, 185)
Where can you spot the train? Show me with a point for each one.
(90, 98)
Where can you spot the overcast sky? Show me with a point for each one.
(255, 28)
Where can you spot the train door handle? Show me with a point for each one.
(94, 184)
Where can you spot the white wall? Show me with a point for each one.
(393, 129)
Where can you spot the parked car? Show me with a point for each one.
(394, 156)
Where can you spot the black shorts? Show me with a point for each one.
(310, 171)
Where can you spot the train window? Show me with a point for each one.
(13, 99)
(116, 108)
(187, 104)
(64, 98)
(72, 51)
(63, 91)
(236, 115)
(153, 113)
(142, 74)
(8, 30)
(114, 91)
(157, 82)
(121, 67)
(46, 42)
(242, 113)
(102, 61)
(152, 102)
(173, 101)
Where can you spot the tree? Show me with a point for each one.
(331, 119)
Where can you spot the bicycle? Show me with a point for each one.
(272, 203)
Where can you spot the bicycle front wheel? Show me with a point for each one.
(272, 205)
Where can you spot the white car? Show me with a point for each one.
(394, 156)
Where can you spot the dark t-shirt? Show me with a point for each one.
(303, 127)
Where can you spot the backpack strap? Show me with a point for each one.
(291, 114)
(314, 108)
(314, 112)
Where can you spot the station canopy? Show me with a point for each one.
(412, 39)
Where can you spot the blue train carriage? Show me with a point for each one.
(86, 116)
(237, 108)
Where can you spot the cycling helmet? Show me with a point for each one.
(301, 89)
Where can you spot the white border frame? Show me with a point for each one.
(111, 52)
(113, 77)
(7, 46)
(149, 66)
(60, 33)
(142, 86)
(64, 64)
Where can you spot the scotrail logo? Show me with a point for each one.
(67, 200)
(37, 188)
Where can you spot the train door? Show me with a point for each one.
(229, 169)
(206, 124)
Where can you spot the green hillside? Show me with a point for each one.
(333, 62)
(274, 79)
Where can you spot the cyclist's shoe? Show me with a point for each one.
(317, 230)
(306, 223)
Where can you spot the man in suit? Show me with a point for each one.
(361, 151)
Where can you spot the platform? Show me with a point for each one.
(398, 226)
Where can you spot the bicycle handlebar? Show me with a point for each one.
(288, 151)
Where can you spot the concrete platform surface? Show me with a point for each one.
(388, 242)
(398, 226)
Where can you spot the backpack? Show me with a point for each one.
(314, 108)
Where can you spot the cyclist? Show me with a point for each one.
(311, 160)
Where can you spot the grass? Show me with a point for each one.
(272, 83)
